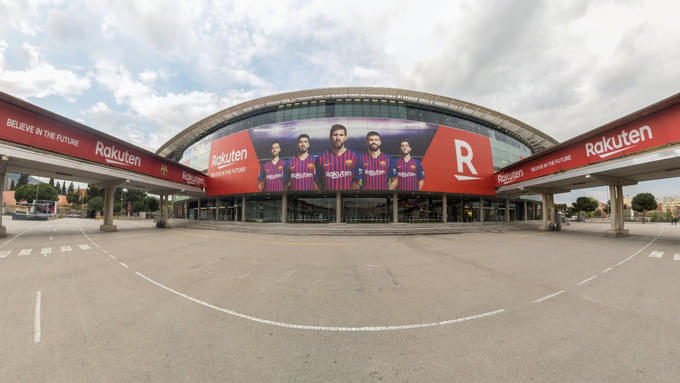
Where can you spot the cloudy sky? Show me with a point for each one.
(145, 70)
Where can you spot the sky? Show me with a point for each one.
(145, 70)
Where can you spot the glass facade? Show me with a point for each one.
(505, 149)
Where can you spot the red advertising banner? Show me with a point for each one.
(233, 167)
(443, 159)
(28, 128)
(633, 137)
(459, 162)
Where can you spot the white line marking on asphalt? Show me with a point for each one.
(676, 257)
(51, 236)
(124, 265)
(5, 253)
(105, 251)
(65, 249)
(88, 238)
(244, 275)
(25, 252)
(643, 247)
(320, 328)
(84, 247)
(586, 280)
(656, 254)
(45, 251)
(36, 318)
(16, 236)
(608, 269)
(112, 257)
(545, 298)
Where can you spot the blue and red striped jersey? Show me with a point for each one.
(377, 171)
(273, 176)
(338, 172)
(409, 174)
(301, 173)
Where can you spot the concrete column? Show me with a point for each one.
(616, 212)
(186, 209)
(3, 179)
(338, 207)
(548, 211)
(481, 209)
(445, 212)
(108, 225)
(395, 207)
(243, 209)
(526, 217)
(284, 207)
(507, 210)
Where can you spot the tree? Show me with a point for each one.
(71, 189)
(23, 180)
(58, 187)
(63, 188)
(643, 202)
(27, 193)
(12, 185)
(52, 182)
(585, 204)
(94, 191)
(138, 206)
(72, 197)
(96, 204)
(151, 203)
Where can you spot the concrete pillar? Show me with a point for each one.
(186, 209)
(3, 179)
(108, 225)
(338, 207)
(616, 212)
(481, 209)
(548, 211)
(395, 207)
(243, 209)
(526, 217)
(445, 212)
(507, 210)
(284, 207)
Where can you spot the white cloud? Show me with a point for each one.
(40, 78)
(148, 76)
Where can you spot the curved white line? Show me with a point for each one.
(319, 328)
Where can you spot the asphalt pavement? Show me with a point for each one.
(186, 305)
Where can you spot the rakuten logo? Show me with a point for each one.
(608, 146)
(192, 179)
(464, 158)
(505, 178)
(114, 155)
(224, 159)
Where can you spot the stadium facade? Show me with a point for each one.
(355, 155)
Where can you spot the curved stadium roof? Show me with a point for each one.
(535, 139)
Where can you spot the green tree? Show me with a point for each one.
(12, 185)
(94, 191)
(23, 180)
(58, 187)
(643, 202)
(28, 192)
(72, 197)
(151, 203)
(70, 189)
(138, 206)
(585, 204)
(96, 204)
(63, 188)
(52, 182)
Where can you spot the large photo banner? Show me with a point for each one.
(361, 154)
